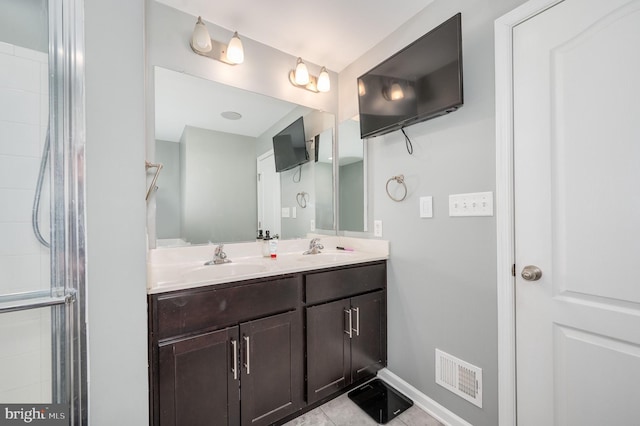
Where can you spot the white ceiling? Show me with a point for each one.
(331, 33)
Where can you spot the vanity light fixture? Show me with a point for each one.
(202, 44)
(300, 77)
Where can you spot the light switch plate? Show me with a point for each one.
(473, 204)
(284, 212)
(426, 207)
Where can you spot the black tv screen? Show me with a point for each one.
(289, 146)
(422, 81)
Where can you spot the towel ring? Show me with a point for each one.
(400, 180)
(302, 199)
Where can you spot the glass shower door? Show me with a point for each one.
(42, 356)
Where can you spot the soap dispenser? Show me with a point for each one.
(266, 252)
(273, 247)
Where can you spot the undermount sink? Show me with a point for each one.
(213, 272)
(331, 256)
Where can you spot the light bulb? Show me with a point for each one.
(324, 83)
(201, 40)
(362, 90)
(235, 52)
(396, 92)
(302, 74)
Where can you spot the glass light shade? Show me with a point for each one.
(201, 40)
(302, 74)
(235, 51)
(324, 83)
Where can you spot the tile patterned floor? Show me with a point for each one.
(343, 412)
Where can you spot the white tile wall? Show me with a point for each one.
(25, 352)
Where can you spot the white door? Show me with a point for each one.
(268, 194)
(577, 213)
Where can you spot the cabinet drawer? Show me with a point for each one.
(331, 285)
(188, 311)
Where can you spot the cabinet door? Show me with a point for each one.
(272, 368)
(368, 344)
(196, 381)
(327, 349)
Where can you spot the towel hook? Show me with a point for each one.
(400, 180)
(158, 167)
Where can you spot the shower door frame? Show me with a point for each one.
(67, 294)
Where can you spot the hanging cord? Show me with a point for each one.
(299, 175)
(407, 142)
(35, 222)
(302, 199)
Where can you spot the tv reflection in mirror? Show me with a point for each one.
(289, 147)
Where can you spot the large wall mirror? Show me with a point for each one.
(219, 183)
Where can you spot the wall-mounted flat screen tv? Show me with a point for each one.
(420, 82)
(289, 146)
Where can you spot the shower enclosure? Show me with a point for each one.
(42, 289)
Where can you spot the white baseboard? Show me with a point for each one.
(434, 409)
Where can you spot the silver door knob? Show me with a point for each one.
(531, 273)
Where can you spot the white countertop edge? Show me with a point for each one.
(168, 287)
(167, 265)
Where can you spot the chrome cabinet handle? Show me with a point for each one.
(247, 364)
(531, 273)
(234, 369)
(349, 331)
(357, 329)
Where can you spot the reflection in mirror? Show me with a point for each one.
(324, 179)
(351, 189)
(210, 138)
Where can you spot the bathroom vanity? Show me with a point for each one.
(262, 347)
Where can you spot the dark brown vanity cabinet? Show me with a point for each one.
(251, 373)
(234, 354)
(346, 338)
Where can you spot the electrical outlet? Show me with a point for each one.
(377, 228)
(294, 213)
(473, 204)
(312, 225)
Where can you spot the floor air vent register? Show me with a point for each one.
(460, 377)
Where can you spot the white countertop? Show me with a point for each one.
(178, 268)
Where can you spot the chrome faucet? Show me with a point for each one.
(314, 246)
(219, 256)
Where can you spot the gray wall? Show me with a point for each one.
(352, 197)
(168, 195)
(442, 278)
(24, 23)
(219, 189)
(116, 245)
